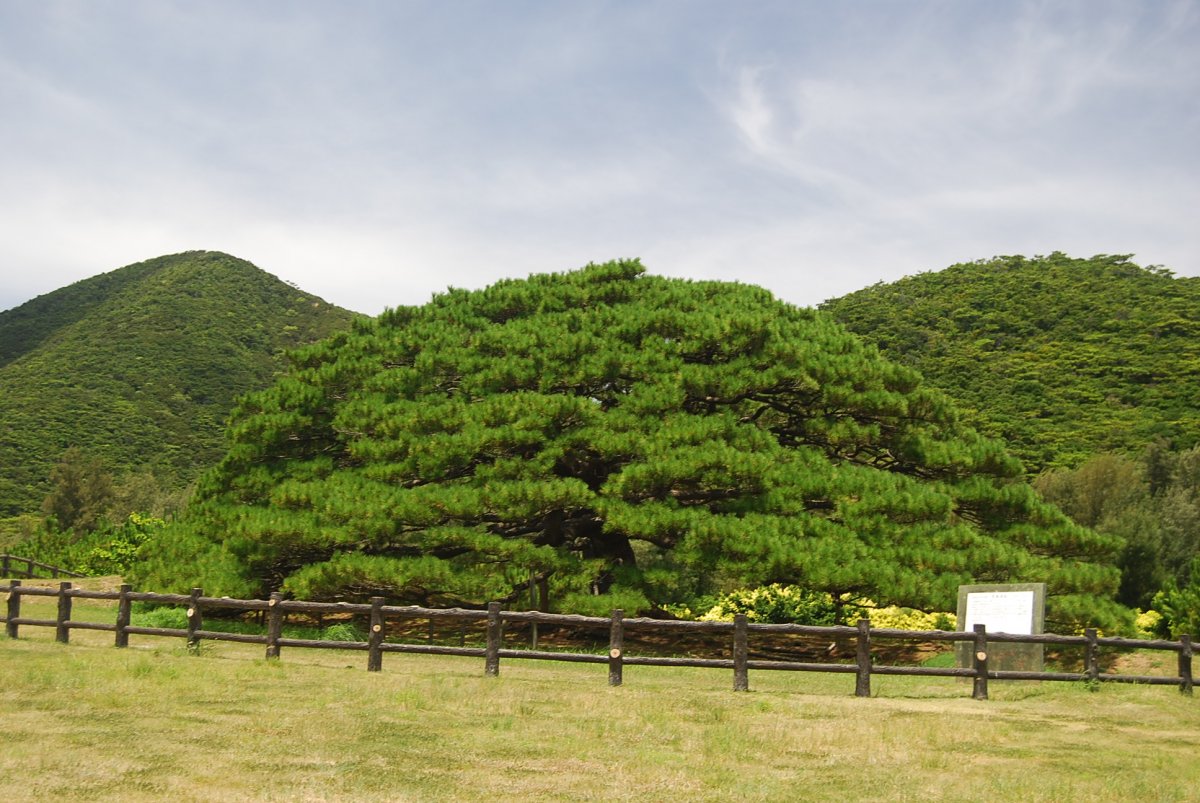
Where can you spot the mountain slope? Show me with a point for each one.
(24, 328)
(1062, 358)
(140, 366)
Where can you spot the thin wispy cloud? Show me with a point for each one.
(375, 153)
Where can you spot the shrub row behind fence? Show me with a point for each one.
(739, 630)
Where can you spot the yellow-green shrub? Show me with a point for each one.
(782, 604)
(1149, 624)
(897, 618)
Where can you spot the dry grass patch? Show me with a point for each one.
(145, 723)
(87, 721)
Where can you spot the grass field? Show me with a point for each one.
(87, 721)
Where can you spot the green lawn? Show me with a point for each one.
(87, 721)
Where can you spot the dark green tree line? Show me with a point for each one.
(80, 494)
(1152, 503)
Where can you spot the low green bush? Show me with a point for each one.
(160, 617)
(1180, 605)
(117, 548)
(780, 604)
(343, 631)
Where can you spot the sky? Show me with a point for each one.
(376, 153)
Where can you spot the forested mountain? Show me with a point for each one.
(139, 367)
(1062, 358)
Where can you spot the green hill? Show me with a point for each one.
(1062, 358)
(140, 366)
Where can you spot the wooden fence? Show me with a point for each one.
(10, 567)
(378, 615)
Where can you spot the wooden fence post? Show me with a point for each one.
(195, 621)
(741, 653)
(274, 624)
(616, 648)
(4, 565)
(1092, 662)
(980, 691)
(533, 606)
(495, 634)
(862, 681)
(1185, 664)
(124, 614)
(375, 639)
(14, 608)
(62, 633)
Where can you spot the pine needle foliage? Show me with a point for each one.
(625, 441)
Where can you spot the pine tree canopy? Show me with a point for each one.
(628, 441)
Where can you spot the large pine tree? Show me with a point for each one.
(627, 440)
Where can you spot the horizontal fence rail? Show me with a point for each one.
(739, 631)
(11, 566)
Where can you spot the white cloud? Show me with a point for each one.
(374, 154)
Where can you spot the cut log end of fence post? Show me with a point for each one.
(616, 648)
(274, 625)
(980, 690)
(375, 639)
(195, 621)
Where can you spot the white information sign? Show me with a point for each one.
(1000, 611)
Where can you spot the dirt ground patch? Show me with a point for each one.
(106, 583)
